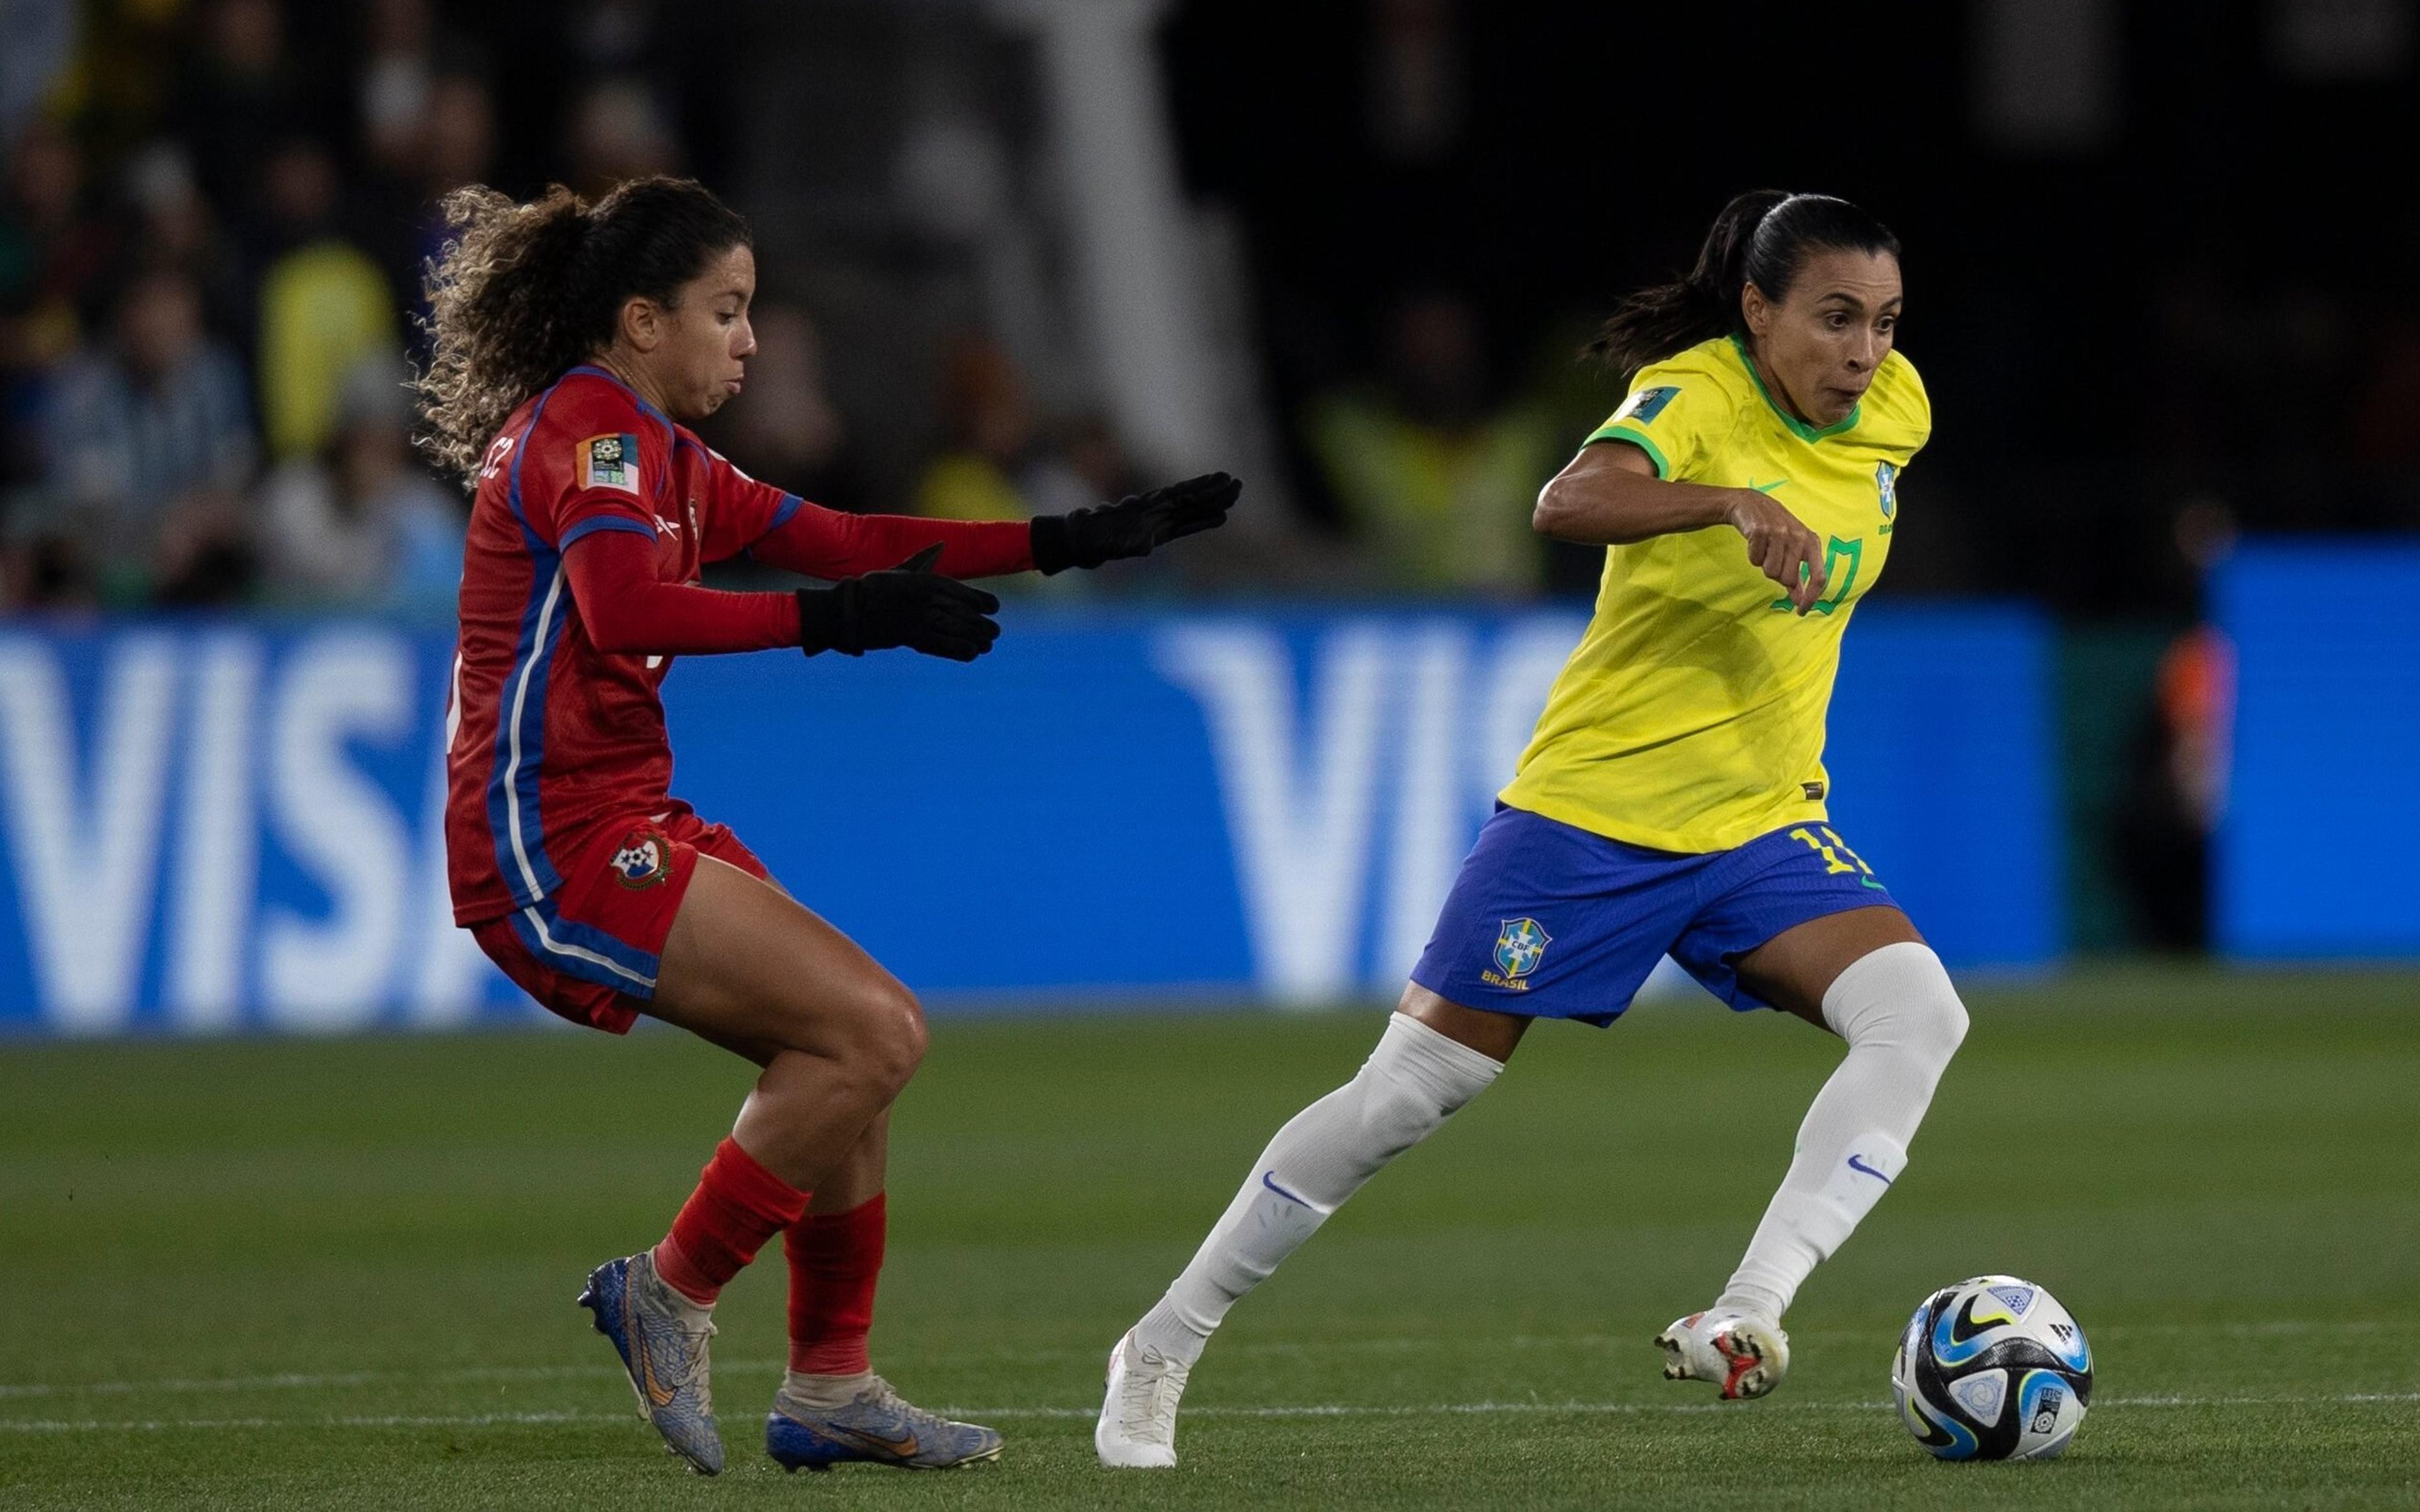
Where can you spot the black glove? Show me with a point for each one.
(907, 606)
(1134, 526)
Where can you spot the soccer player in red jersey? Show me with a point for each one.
(570, 345)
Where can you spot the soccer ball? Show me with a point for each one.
(1992, 1368)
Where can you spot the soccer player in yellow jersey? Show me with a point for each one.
(1673, 799)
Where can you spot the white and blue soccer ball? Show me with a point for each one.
(1992, 1368)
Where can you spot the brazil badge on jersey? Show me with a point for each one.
(1691, 717)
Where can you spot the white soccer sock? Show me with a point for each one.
(1903, 1020)
(1412, 1082)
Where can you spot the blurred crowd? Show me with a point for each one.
(208, 243)
(213, 225)
(214, 222)
(215, 213)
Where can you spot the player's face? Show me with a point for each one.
(1821, 344)
(701, 356)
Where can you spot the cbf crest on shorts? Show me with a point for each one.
(644, 859)
(610, 462)
(1520, 945)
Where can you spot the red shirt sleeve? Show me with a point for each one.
(739, 511)
(628, 611)
(595, 457)
(783, 529)
(831, 544)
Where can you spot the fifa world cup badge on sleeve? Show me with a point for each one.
(1520, 945)
(610, 462)
(1644, 405)
(642, 861)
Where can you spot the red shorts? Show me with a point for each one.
(590, 952)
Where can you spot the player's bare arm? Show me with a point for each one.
(1609, 495)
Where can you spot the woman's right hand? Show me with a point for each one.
(1782, 548)
(908, 605)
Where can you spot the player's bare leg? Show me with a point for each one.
(746, 967)
(1434, 1057)
(838, 1036)
(1867, 975)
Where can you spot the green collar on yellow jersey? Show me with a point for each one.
(1798, 427)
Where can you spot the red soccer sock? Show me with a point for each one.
(835, 1258)
(737, 1205)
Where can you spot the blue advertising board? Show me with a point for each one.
(2325, 770)
(224, 825)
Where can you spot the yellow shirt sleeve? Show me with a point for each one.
(1677, 413)
(1898, 411)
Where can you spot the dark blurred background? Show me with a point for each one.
(1022, 255)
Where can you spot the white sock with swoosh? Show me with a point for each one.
(1903, 1020)
(1411, 1084)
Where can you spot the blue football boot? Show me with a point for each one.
(665, 1352)
(876, 1427)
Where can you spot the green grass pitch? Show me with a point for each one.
(268, 1274)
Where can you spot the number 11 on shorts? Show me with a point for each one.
(1831, 848)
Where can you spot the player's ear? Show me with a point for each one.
(642, 323)
(1756, 309)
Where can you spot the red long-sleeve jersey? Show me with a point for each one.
(594, 514)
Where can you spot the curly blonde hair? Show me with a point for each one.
(521, 292)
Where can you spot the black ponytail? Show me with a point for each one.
(1763, 238)
(524, 291)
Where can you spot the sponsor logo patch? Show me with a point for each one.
(644, 860)
(610, 462)
(1520, 945)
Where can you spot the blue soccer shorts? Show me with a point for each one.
(1556, 922)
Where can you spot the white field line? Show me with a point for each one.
(321, 1383)
(1307, 1409)
(1010, 1354)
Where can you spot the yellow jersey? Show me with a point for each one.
(1690, 719)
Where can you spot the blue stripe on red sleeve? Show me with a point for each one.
(791, 503)
(606, 522)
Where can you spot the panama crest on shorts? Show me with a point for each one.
(643, 859)
(1520, 945)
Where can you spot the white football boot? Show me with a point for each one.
(1137, 1427)
(1745, 1354)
